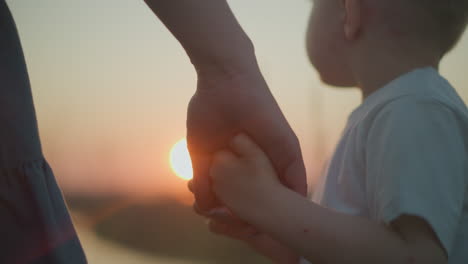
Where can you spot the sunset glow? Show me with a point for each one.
(111, 88)
(180, 160)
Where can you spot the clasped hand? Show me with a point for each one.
(243, 177)
(244, 180)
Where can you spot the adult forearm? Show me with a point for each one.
(209, 33)
(325, 236)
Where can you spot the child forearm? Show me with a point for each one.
(325, 236)
(209, 33)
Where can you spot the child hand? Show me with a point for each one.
(223, 223)
(244, 177)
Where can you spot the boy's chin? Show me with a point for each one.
(338, 82)
(335, 76)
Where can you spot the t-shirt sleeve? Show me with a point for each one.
(415, 158)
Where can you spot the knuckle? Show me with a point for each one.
(190, 186)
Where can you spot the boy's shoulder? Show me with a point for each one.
(415, 95)
(419, 107)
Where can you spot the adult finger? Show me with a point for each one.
(190, 186)
(217, 227)
(201, 185)
(223, 215)
(239, 232)
(197, 209)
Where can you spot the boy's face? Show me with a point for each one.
(327, 44)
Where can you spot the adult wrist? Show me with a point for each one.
(231, 78)
(213, 74)
(235, 66)
(236, 55)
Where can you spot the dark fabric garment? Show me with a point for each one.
(35, 225)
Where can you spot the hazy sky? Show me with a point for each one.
(111, 87)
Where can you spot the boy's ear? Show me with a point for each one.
(352, 19)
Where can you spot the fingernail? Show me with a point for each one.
(218, 211)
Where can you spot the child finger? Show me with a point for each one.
(224, 156)
(245, 146)
(221, 160)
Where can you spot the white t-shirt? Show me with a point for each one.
(405, 151)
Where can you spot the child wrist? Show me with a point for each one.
(262, 205)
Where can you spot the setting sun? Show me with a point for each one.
(180, 160)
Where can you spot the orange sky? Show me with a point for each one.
(111, 87)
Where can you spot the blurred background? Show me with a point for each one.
(111, 87)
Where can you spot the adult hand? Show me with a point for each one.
(223, 106)
(232, 95)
